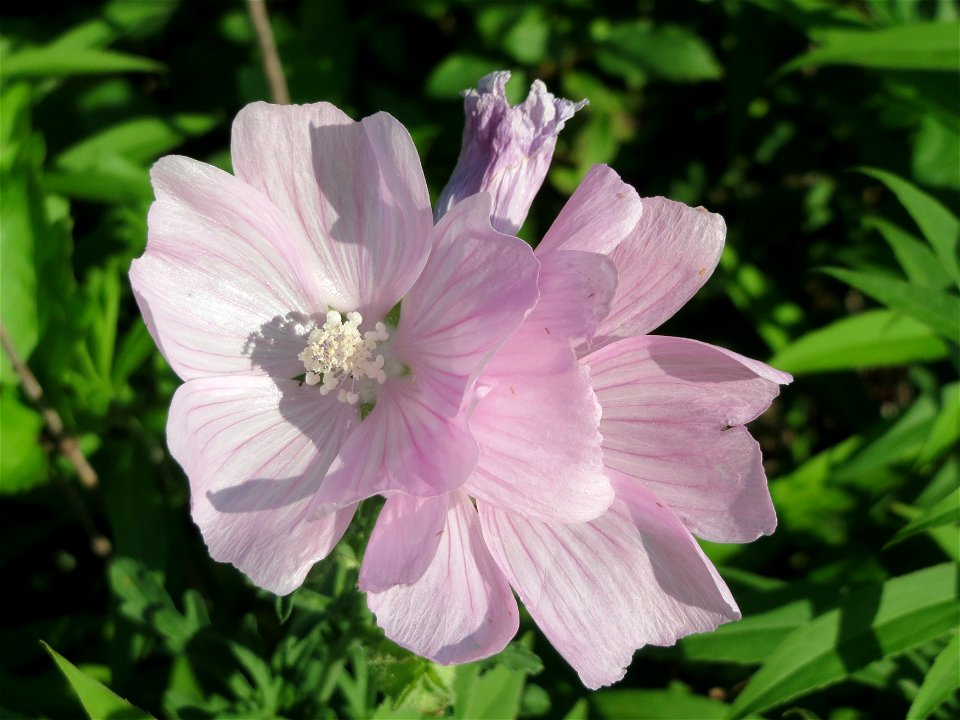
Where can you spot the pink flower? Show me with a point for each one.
(506, 150)
(579, 405)
(270, 292)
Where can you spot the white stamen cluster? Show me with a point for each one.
(337, 356)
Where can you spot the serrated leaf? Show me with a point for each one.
(98, 700)
(940, 683)
(875, 338)
(936, 309)
(939, 225)
(672, 704)
(62, 61)
(917, 46)
(871, 623)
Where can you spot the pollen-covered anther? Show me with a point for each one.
(337, 356)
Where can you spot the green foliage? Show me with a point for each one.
(756, 109)
(98, 700)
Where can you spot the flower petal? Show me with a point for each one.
(356, 189)
(672, 411)
(665, 260)
(576, 289)
(537, 430)
(461, 609)
(403, 542)
(506, 151)
(255, 455)
(403, 446)
(474, 292)
(600, 214)
(602, 589)
(226, 283)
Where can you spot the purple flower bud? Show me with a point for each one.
(506, 150)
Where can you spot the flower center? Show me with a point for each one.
(338, 357)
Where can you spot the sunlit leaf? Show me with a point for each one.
(939, 225)
(458, 72)
(98, 701)
(936, 309)
(638, 50)
(940, 683)
(875, 338)
(920, 264)
(945, 512)
(672, 704)
(871, 623)
(23, 463)
(59, 61)
(920, 46)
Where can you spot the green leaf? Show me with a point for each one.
(458, 72)
(141, 140)
(941, 681)
(871, 623)
(751, 640)
(63, 61)
(875, 338)
(493, 694)
(946, 430)
(919, 46)
(672, 704)
(108, 179)
(919, 263)
(23, 463)
(638, 50)
(945, 512)
(939, 225)
(936, 148)
(99, 701)
(936, 309)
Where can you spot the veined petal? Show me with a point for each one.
(668, 257)
(403, 542)
(602, 589)
(255, 453)
(226, 282)
(356, 189)
(576, 289)
(461, 609)
(537, 429)
(672, 415)
(474, 292)
(506, 151)
(403, 446)
(600, 214)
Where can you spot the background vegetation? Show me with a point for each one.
(825, 132)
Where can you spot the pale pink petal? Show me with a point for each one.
(226, 283)
(576, 289)
(356, 189)
(403, 542)
(461, 609)
(673, 411)
(600, 214)
(601, 590)
(506, 151)
(665, 260)
(474, 292)
(403, 446)
(255, 453)
(536, 427)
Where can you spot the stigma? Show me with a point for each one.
(338, 357)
